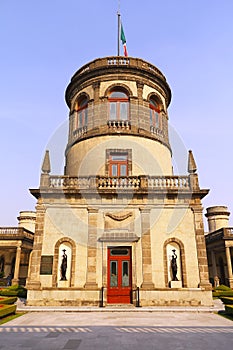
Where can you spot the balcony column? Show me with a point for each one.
(91, 249)
(146, 250)
(229, 267)
(15, 280)
(214, 268)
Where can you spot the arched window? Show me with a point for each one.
(155, 117)
(118, 105)
(82, 112)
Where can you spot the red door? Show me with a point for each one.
(119, 275)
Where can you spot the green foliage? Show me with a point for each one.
(7, 310)
(8, 300)
(220, 294)
(17, 291)
(222, 291)
(222, 287)
(11, 317)
(227, 300)
(229, 309)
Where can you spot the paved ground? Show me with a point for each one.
(117, 330)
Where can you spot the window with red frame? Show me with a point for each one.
(118, 164)
(118, 106)
(82, 113)
(155, 117)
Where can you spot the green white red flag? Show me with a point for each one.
(123, 40)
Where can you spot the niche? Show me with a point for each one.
(174, 267)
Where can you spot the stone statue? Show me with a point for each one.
(174, 266)
(64, 266)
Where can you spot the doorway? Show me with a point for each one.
(119, 290)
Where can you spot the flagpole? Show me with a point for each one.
(118, 36)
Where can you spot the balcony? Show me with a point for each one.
(122, 183)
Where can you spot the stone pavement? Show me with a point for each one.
(117, 330)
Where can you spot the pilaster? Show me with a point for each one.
(146, 250)
(33, 280)
(201, 248)
(91, 249)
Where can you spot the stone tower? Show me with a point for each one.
(119, 226)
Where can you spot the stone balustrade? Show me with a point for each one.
(119, 124)
(129, 182)
(15, 231)
(225, 232)
(173, 182)
(10, 230)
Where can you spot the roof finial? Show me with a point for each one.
(192, 168)
(46, 168)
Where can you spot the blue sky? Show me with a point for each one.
(44, 42)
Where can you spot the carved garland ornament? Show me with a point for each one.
(119, 217)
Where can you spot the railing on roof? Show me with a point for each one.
(15, 231)
(225, 232)
(119, 61)
(129, 182)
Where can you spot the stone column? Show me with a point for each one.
(146, 250)
(214, 268)
(229, 267)
(15, 280)
(91, 249)
(33, 280)
(201, 248)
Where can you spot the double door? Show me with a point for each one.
(119, 275)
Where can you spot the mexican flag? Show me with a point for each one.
(123, 40)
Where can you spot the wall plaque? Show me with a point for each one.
(46, 266)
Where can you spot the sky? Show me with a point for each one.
(43, 43)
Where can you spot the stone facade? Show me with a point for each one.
(219, 244)
(119, 120)
(15, 247)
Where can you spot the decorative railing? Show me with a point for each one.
(98, 122)
(225, 232)
(16, 231)
(119, 124)
(156, 131)
(80, 131)
(119, 61)
(228, 231)
(129, 182)
(172, 182)
(119, 182)
(10, 230)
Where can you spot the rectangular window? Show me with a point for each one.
(125, 273)
(118, 164)
(113, 111)
(118, 111)
(123, 110)
(113, 274)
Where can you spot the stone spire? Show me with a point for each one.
(192, 167)
(46, 168)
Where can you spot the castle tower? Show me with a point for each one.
(119, 226)
(218, 217)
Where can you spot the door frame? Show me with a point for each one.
(119, 294)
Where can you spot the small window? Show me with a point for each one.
(118, 164)
(155, 117)
(118, 105)
(82, 110)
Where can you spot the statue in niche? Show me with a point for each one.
(63, 266)
(174, 266)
